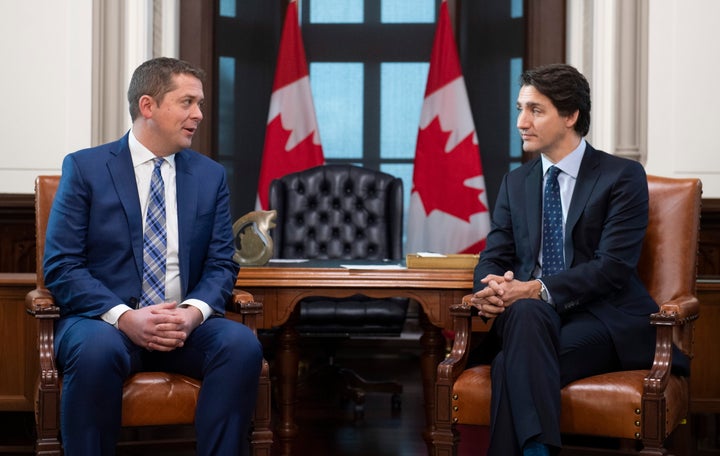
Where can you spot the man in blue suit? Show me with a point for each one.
(588, 312)
(94, 266)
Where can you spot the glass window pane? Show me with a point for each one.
(516, 9)
(228, 8)
(226, 107)
(407, 11)
(336, 11)
(402, 90)
(337, 90)
(516, 66)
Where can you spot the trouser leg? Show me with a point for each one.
(526, 378)
(586, 348)
(94, 359)
(227, 357)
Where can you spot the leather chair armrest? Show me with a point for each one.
(41, 304)
(456, 362)
(674, 324)
(242, 296)
(677, 311)
(243, 308)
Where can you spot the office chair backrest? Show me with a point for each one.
(338, 212)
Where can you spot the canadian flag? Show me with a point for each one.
(448, 210)
(292, 141)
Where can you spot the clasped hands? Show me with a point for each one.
(160, 327)
(501, 292)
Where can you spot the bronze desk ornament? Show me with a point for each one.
(253, 244)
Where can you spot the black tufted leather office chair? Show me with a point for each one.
(343, 212)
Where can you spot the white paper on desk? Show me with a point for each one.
(372, 266)
(430, 255)
(289, 260)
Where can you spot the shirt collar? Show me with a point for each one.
(570, 164)
(141, 154)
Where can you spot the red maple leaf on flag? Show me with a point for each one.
(305, 154)
(439, 176)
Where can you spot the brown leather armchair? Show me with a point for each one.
(640, 408)
(146, 395)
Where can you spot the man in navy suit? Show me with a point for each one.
(591, 316)
(94, 267)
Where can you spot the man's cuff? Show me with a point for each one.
(549, 299)
(203, 307)
(113, 315)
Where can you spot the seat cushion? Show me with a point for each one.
(610, 404)
(159, 398)
(603, 405)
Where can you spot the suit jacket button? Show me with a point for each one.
(133, 302)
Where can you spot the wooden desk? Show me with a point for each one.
(280, 286)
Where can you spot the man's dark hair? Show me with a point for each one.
(155, 78)
(566, 87)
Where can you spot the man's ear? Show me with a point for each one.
(146, 104)
(572, 119)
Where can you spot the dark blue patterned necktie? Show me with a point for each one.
(155, 241)
(553, 260)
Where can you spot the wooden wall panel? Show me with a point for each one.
(709, 254)
(18, 357)
(705, 373)
(17, 233)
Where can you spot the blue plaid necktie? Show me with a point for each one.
(553, 260)
(154, 241)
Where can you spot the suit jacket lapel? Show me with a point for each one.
(123, 178)
(588, 175)
(533, 206)
(187, 190)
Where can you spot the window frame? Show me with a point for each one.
(544, 43)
